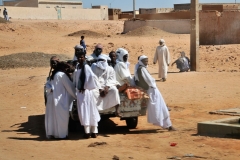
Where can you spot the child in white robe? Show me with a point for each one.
(85, 81)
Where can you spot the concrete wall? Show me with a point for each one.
(113, 17)
(114, 11)
(154, 10)
(68, 6)
(183, 6)
(215, 27)
(219, 27)
(159, 16)
(51, 13)
(173, 26)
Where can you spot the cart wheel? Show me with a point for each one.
(132, 122)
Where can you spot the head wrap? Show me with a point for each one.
(78, 47)
(162, 41)
(139, 64)
(102, 64)
(120, 53)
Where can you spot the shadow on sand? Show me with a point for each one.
(35, 127)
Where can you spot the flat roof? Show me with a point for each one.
(61, 1)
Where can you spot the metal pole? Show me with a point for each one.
(134, 16)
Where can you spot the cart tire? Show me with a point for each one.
(132, 122)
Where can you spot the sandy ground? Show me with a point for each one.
(190, 95)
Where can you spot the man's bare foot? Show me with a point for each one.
(171, 128)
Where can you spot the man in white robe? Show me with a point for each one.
(50, 119)
(63, 95)
(162, 56)
(122, 71)
(157, 111)
(85, 81)
(109, 96)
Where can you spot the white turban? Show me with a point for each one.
(162, 41)
(139, 64)
(78, 47)
(102, 64)
(120, 53)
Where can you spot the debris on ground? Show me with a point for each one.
(97, 144)
(28, 60)
(115, 158)
(186, 156)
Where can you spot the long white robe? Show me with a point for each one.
(162, 56)
(157, 111)
(63, 95)
(106, 78)
(122, 73)
(87, 109)
(50, 117)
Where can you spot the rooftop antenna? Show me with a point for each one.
(111, 3)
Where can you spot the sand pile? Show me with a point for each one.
(147, 31)
(87, 33)
(24, 60)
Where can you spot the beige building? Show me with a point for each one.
(60, 4)
(113, 13)
(73, 4)
(209, 6)
(154, 10)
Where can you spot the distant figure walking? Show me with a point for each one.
(82, 43)
(183, 63)
(162, 56)
(5, 14)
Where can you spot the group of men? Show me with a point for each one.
(94, 83)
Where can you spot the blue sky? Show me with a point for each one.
(127, 5)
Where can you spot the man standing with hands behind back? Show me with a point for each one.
(162, 56)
